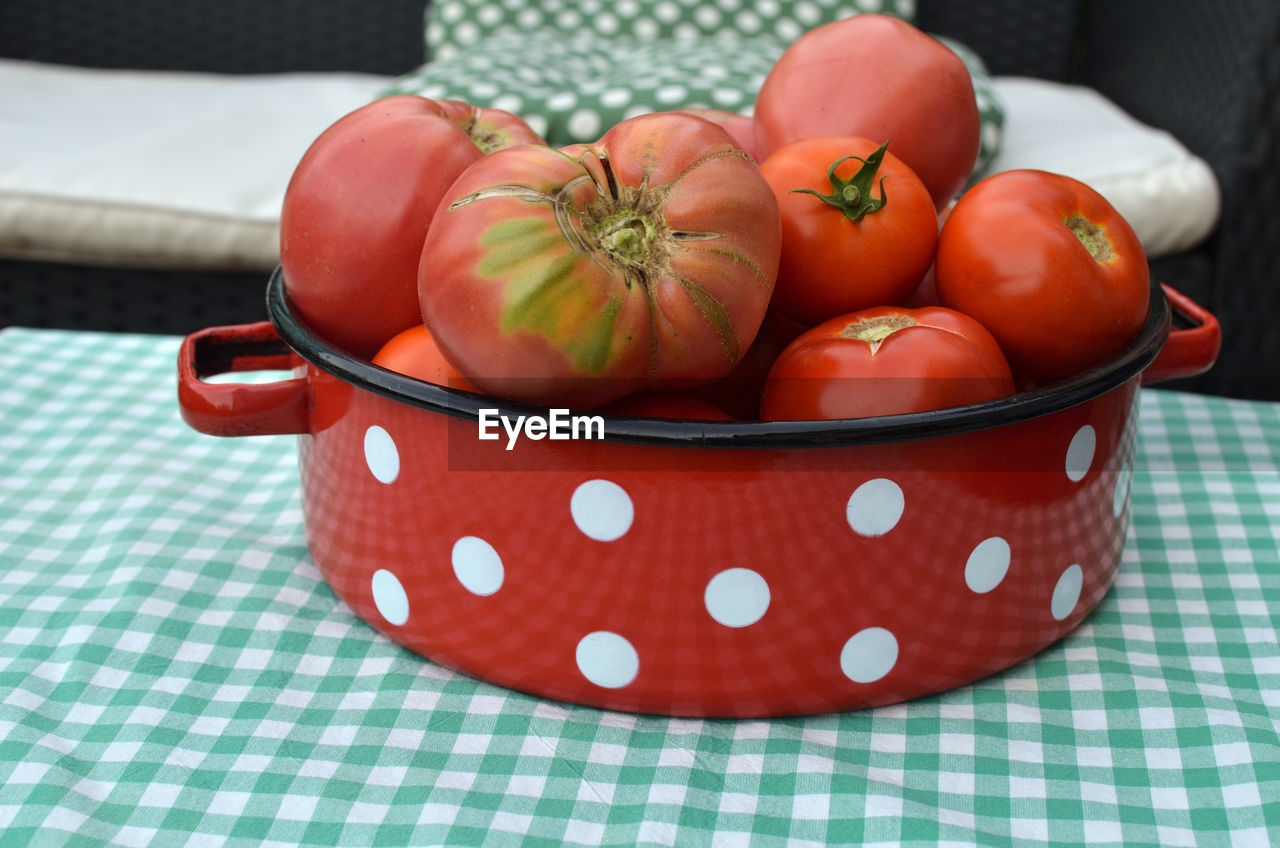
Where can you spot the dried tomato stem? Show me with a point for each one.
(1092, 236)
(875, 330)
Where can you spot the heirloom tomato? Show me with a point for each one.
(879, 77)
(356, 211)
(641, 262)
(414, 353)
(885, 361)
(1049, 267)
(858, 227)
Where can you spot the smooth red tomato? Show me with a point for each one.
(642, 262)
(414, 353)
(665, 405)
(1049, 267)
(886, 361)
(879, 77)
(356, 212)
(858, 227)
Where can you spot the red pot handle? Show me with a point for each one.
(240, 409)
(1191, 349)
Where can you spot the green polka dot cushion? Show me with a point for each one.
(574, 68)
(453, 26)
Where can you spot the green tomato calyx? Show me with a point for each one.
(875, 330)
(1092, 236)
(853, 196)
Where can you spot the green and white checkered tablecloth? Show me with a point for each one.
(173, 671)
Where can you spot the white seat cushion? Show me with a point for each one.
(185, 170)
(153, 169)
(1167, 194)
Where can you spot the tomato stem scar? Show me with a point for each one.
(875, 330)
(1092, 236)
(628, 237)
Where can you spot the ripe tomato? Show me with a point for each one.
(642, 262)
(414, 353)
(1049, 267)
(739, 127)
(489, 129)
(356, 212)
(858, 227)
(879, 77)
(885, 361)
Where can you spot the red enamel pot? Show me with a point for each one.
(702, 568)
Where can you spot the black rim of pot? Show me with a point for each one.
(1023, 406)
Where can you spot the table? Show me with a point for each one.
(173, 670)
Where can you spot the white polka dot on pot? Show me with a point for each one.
(381, 455)
(987, 565)
(607, 659)
(602, 510)
(1120, 497)
(390, 597)
(737, 597)
(1080, 453)
(875, 507)
(477, 565)
(1066, 592)
(869, 655)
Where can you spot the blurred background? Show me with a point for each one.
(1207, 73)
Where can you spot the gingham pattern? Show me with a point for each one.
(172, 666)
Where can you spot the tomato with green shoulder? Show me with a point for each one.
(642, 262)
